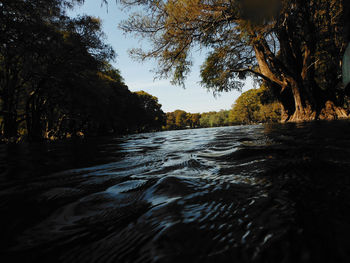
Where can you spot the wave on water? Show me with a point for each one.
(274, 193)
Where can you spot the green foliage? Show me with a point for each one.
(246, 109)
(215, 119)
(180, 119)
(253, 106)
(177, 120)
(294, 45)
(151, 117)
(56, 77)
(250, 108)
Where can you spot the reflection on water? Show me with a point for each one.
(276, 193)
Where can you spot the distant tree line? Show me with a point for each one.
(56, 80)
(180, 119)
(253, 106)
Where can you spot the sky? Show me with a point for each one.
(138, 76)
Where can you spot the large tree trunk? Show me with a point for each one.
(332, 112)
(312, 108)
(305, 109)
(295, 86)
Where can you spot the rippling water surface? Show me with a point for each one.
(277, 193)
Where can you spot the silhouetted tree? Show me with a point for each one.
(151, 116)
(56, 77)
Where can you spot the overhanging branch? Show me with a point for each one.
(255, 73)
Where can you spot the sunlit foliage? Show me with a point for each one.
(250, 108)
(151, 117)
(180, 119)
(294, 45)
(215, 119)
(253, 106)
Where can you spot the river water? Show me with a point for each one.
(274, 193)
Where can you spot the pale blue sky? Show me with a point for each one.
(138, 76)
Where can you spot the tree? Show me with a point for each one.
(215, 119)
(56, 78)
(151, 117)
(170, 121)
(270, 112)
(180, 119)
(27, 29)
(65, 71)
(194, 120)
(253, 106)
(246, 108)
(294, 46)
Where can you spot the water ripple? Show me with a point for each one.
(247, 194)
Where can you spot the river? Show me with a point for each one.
(263, 193)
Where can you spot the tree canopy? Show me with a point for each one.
(255, 106)
(57, 80)
(294, 46)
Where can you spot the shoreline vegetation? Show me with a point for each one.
(57, 80)
(253, 106)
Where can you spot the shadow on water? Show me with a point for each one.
(274, 193)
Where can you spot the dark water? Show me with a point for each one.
(277, 193)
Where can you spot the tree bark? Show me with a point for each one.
(295, 86)
(304, 108)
